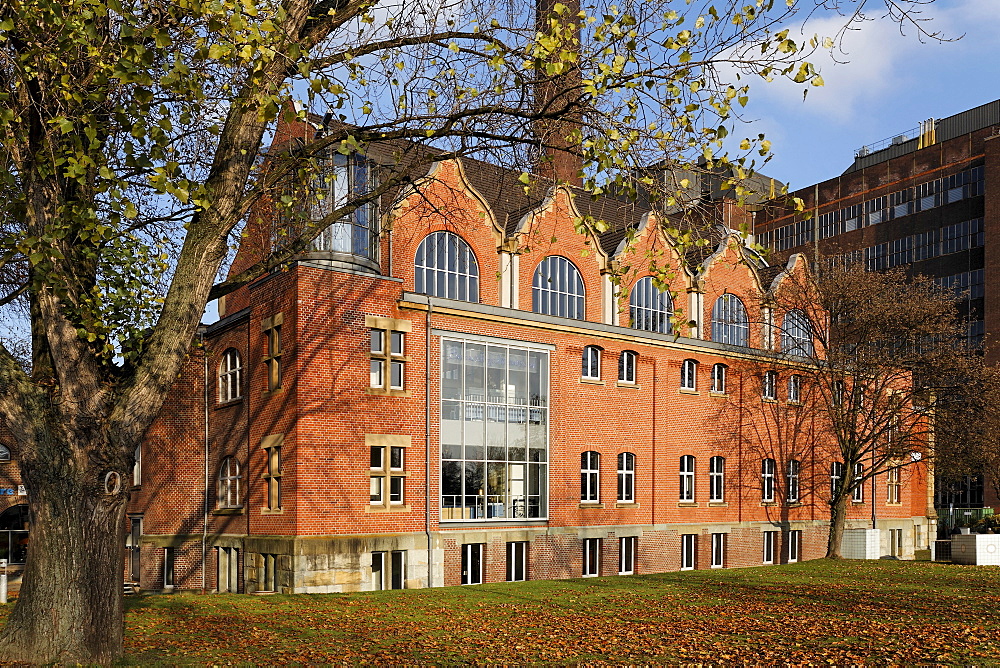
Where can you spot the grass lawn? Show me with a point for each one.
(818, 611)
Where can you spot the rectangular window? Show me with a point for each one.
(591, 557)
(716, 479)
(168, 567)
(591, 368)
(689, 375)
(272, 477)
(719, 378)
(626, 554)
(388, 362)
(272, 350)
(387, 475)
(895, 542)
(689, 543)
(137, 467)
(626, 477)
(626, 367)
(687, 478)
(767, 481)
(769, 387)
(836, 476)
(718, 550)
(472, 563)
(389, 570)
(590, 463)
(858, 493)
(494, 431)
(794, 389)
(768, 538)
(133, 545)
(793, 481)
(794, 545)
(517, 561)
(894, 485)
(266, 570)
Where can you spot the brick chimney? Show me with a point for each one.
(560, 156)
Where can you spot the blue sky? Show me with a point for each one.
(890, 83)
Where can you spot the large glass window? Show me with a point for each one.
(341, 179)
(445, 267)
(649, 308)
(796, 334)
(494, 431)
(557, 288)
(729, 321)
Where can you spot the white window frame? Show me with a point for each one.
(591, 363)
(718, 550)
(136, 467)
(627, 550)
(649, 308)
(768, 540)
(894, 486)
(687, 468)
(793, 489)
(794, 545)
(230, 376)
(794, 388)
(229, 481)
(472, 572)
(626, 477)
(858, 493)
(896, 543)
(767, 471)
(719, 372)
(626, 367)
(458, 275)
(769, 385)
(517, 561)
(590, 477)
(557, 289)
(591, 553)
(836, 477)
(689, 375)
(717, 479)
(385, 575)
(689, 551)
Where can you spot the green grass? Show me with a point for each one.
(818, 611)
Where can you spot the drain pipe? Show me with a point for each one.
(204, 522)
(427, 441)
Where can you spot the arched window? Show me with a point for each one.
(626, 367)
(687, 478)
(719, 378)
(767, 480)
(445, 267)
(557, 288)
(626, 477)
(230, 376)
(590, 468)
(649, 308)
(796, 334)
(717, 479)
(729, 321)
(229, 483)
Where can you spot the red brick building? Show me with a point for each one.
(465, 358)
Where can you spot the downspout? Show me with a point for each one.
(427, 441)
(204, 523)
(653, 518)
(874, 488)
(739, 457)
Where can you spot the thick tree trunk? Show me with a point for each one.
(70, 608)
(838, 520)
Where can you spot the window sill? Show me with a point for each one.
(270, 393)
(718, 395)
(794, 504)
(380, 392)
(272, 511)
(796, 403)
(395, 508)
(857, 503)
(685, 390)
(688, 504)
(894, 504)
(626, 505)
(228, 511)
(769, 504)
(718, 504)
(591, 381)
(768, 400)
(229, 404)
(592, 505)
(633, 386)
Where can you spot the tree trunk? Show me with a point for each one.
(838, 520)
(70, 608)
